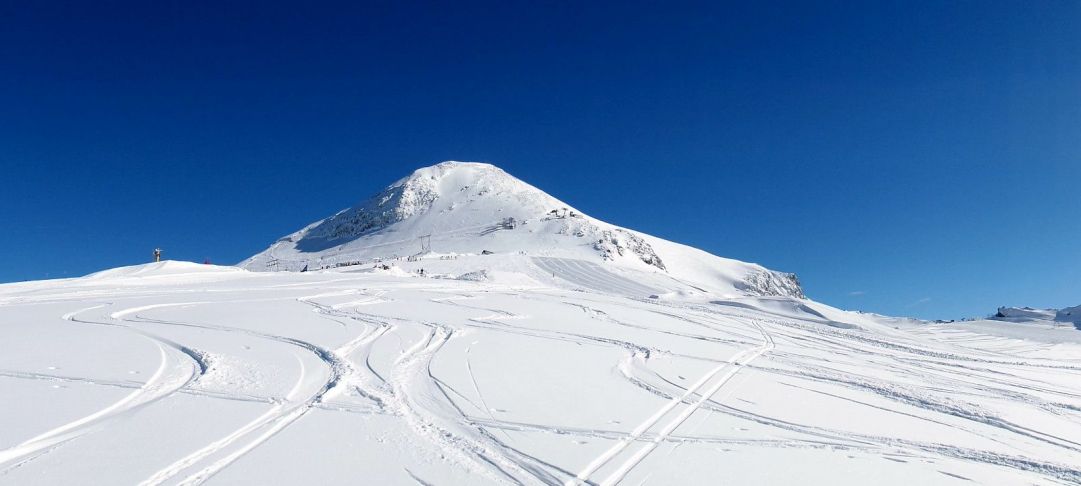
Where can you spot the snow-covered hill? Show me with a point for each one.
(457, 209)
(527, 347)
(1022, 314)
(176, 373)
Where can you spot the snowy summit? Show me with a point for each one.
(468, 208)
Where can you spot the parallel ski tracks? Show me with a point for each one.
(682, 407)
(179, 366)
(409, 390)
(212, 458)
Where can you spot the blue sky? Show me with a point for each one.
(913, 158)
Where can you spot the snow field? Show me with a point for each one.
(191, 377)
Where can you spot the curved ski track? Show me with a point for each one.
(946, 381)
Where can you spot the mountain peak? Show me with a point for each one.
(459, 209)
(449, 167)
(458, 164)
(451, 189)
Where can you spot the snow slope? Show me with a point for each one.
(571, 352)
(176, 373)
(468, 208)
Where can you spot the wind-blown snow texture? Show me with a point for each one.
(556, 366)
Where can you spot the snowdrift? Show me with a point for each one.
(160, 269)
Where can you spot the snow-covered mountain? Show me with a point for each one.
(521, 343)
(1021, 314)
(465, 209)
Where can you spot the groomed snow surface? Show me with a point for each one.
(509, 369)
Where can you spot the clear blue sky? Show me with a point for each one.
(915, 158)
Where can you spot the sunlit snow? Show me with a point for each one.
(553, 349)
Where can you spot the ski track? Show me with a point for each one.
(296, 404)
(714, 378)
(591, 275)
(903, 353)
(939, 382)
(178, 367)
